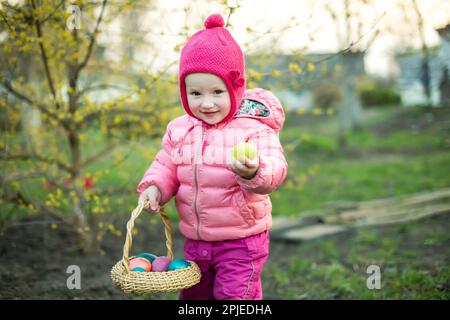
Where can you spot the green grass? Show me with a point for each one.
(411, 266)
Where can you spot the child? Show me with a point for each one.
(223, 203)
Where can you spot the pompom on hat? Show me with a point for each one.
(214, 50)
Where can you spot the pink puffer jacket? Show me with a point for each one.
(215, 204)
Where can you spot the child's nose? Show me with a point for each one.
(207, 103)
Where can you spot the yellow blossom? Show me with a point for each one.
(96, 210)
(251, 85)
(295, 68)
(255, 75)
(276, 73)
(15, 185)
(317, 111)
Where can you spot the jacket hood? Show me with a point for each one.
(263, 105)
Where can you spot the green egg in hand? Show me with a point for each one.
(246, 149)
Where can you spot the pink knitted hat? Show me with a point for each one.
(213, 50)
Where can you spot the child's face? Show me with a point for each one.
(207, 97)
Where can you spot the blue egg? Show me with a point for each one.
(139, 269)
(150, 257)
(178, 264)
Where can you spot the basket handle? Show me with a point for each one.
(128, 240)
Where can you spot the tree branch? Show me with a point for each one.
(128, 111)
(20, 176)
(54, 11)
(98, 155)
(32, 156)
(7, 85)
(101, 86)
(9, 105)
(19, 198)
(92, 40)
(44, 57)
(335, 19)
(6, 21)
(34, 174)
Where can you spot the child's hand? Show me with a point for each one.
(245, 167)
(152, 196)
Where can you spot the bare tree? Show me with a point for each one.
(425, 66)
(354, 35)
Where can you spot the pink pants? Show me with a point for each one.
(230, 269)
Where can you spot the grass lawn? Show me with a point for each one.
(413, 262)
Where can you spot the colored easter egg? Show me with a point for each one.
(161, 264)
(242, 149)
(140, 262)
(149, 256)
(178, 264)
(138, 269)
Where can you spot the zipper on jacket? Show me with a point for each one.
(200, 147)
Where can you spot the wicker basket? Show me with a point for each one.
(152, 282)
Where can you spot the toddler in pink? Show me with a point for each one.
(223, 203)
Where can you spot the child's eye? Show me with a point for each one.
(218, 91)
(195, 93)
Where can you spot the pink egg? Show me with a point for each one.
(140, 262)
(160, 264)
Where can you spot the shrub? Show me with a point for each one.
(377, 94)
(326, 94)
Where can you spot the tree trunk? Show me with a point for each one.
(86, 238)
(425, 67)
(350, 106)
(30, 118)
(85, 232)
